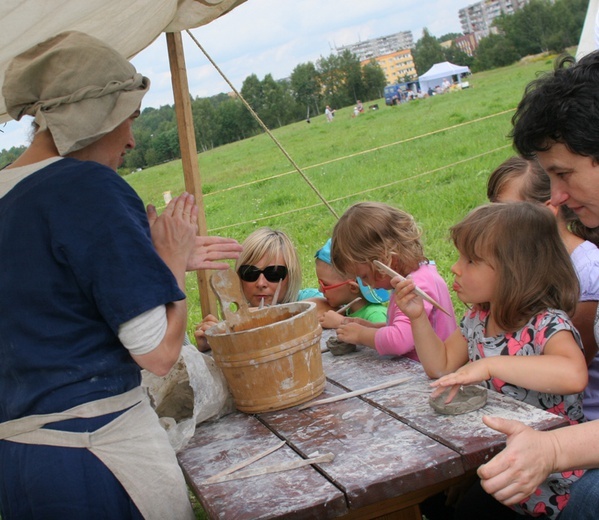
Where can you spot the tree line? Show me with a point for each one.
(540, 26)
(340, 80)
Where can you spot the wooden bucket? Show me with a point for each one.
(270, 357)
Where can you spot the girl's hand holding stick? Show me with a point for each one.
(390, 272)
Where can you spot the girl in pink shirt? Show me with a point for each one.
(370, 231)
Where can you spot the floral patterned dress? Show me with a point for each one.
(553, 494)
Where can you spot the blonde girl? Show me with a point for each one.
(370, 231)
(517, 337)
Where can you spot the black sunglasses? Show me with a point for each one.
(272, 273)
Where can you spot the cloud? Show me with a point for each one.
(273, 37)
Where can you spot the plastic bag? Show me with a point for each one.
(193, 391)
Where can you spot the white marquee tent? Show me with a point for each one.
(438, 72)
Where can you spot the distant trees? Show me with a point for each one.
(9, 156)
(305, 87)
(374, 81)
(540, 26)
(337, 80)
(427, 52)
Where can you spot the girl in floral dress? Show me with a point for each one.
(517, 337)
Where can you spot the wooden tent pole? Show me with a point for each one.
(189, 154)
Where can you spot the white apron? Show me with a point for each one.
(133, 446)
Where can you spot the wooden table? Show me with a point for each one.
(392, 450)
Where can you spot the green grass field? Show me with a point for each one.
(430, 157)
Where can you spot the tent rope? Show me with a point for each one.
(264, 127)
(362, 152)
(345, 197)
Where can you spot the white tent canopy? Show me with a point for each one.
(589, 38)
(128, 26)
(438, 72)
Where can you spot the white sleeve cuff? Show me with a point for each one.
(144, 333)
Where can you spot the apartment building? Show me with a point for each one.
(396, 65)
(375, 47)
(477, 18)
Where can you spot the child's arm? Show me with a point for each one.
(560, 370)
(331, 319)
(438, 357)
(352, 332)
(200, 331)
(322, 305)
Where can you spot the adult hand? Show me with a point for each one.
(200, 332)
(207, 250)
(174, 231)
(528, 458)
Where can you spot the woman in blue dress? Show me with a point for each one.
(91, 291)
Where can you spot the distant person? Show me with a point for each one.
(359, 106)
(370, 231)
(329, 113)
(519, 179)
(517, 338)
(339, 291)
(268, 264)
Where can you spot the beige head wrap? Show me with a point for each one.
(74, 85)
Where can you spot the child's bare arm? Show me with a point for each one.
(560, 370)
(437, 357)
(331, 320)
(322, 306)
(352, 332)
(366, 323)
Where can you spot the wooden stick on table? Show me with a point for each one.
(355, 393)
(275, 468)
(242, 464)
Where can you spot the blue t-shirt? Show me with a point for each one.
(76, 262)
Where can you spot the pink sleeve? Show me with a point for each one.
(396, 338)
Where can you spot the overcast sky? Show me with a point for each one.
(273, 36)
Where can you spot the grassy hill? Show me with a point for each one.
(430, 157)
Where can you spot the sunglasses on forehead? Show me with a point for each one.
(272, 273)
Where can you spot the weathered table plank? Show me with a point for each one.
(376, 456)
(295, 494)
(392, 450)
(466, 433)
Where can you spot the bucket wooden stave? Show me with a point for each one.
(270, 357)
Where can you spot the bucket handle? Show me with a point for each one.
(227, 288)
